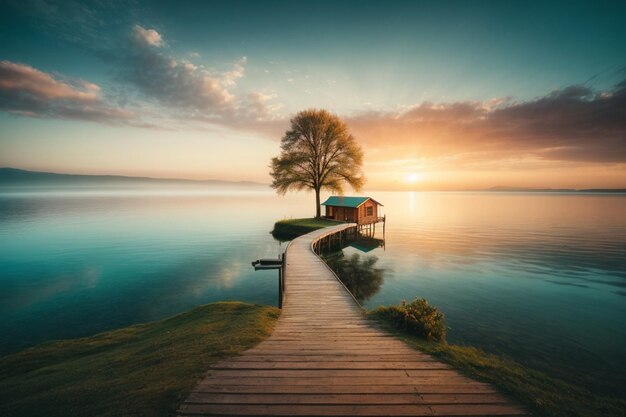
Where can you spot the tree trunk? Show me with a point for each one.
(318, 212)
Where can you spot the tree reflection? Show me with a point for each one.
(361, 277)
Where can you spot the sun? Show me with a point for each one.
(414, 177)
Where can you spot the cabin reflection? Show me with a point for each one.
(367, 243)
(362, 240)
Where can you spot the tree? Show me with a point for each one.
(317, 152)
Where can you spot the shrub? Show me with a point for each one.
(417, 317)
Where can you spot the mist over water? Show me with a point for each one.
(539, 277)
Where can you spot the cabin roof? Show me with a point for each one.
(354, 202)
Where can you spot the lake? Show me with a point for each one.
(539, 277)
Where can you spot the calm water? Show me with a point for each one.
(539, 277)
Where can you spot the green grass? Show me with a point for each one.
(542, 394)
(142, 370)
(292, 228)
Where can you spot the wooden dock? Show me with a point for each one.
(326, 359)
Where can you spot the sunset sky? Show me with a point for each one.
(441, 95)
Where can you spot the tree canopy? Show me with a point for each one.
(317, 152)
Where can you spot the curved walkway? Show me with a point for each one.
(325, 358)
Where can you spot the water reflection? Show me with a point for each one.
(362, 278)
(365, 243)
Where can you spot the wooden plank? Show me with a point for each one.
(304, 410)
(327, 350)
(349, 335)
(331, 373)
(338, 380)
(314, 325)
(348, 343)
(478, 410)
(320, 344)
(351, 410)
(277, 357)
(476, 388)
(336, 365)
(378, 398)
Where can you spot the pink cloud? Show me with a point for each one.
(27, 91)
(570, 124)
(147, 36)
(31, 81)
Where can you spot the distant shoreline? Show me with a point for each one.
(14, 177)
(555, 190)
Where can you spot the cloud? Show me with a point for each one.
(230, 77)
(28, 80)
(179, 84)
(570, 124)
(27, 91)
(186, 90)
(173, 93)
(147, 36)
(160, 86)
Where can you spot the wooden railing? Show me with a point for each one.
(373, 220)
(333, 238)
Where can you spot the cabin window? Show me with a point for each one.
(369, 210)
(330, 211)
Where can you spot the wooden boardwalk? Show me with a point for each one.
(326, 359)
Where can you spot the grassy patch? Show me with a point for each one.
(292, 228)
(544, 395)
(142, 370)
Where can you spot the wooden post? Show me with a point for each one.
(284, 268)
(280, 287)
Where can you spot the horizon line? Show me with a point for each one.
(496, 188)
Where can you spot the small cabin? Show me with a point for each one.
(360, 210)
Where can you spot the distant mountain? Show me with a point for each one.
(20, 177)
(604, 190)
(556, 190)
